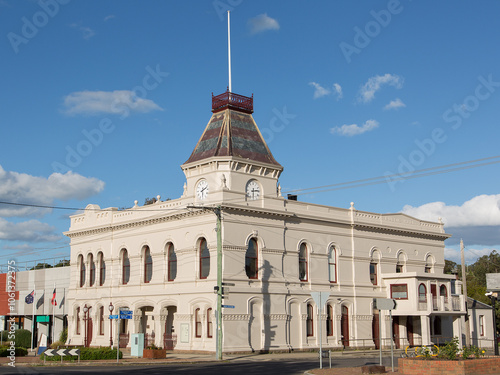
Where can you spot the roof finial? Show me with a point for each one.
(229, 48)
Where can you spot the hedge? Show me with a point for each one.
(22, 338)
(20, 352)
(89, 354)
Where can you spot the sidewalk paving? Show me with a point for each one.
(173, 357)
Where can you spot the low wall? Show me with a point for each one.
(482, 366)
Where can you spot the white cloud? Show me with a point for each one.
(29, 231)
(262, 23)
(86, 31)
(353, 129)
(338, 90)
(23, 188)
(395, 104)
(319, 90)
(368, 90)
(107, 18)
(482, 210)
(119, 102)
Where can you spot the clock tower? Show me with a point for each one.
(231, 161)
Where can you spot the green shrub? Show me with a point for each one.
(56, 344)
(20, 352)
(23, 338)
(63, 336)
(89, 354)
(450, 350)
(467, 352)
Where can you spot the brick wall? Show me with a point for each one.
(483, 366)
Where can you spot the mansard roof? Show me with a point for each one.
(232, 131)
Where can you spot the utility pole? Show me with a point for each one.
(217, 212)
(464, 282)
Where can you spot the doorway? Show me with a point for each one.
(344, 326)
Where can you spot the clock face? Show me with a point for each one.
(253, 190)
(202, 189)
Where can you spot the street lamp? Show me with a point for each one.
(111, 307)
(493, 296)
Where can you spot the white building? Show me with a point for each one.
(160, 261)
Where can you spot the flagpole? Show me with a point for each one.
(229, 48)
(53, 313)
(33, 315)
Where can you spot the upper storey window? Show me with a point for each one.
(332, 264)
(303, 262)
(148, 265)
(251, 267)
(204, 259)
(81, 264)
(125, 267)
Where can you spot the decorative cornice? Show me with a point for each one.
(234, 317)
(183, 317)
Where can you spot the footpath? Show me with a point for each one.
(173, 357)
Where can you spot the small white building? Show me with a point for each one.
(480, 324)
(160, 261)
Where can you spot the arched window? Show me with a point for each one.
(251, 266)
(442, 291)
(148, 265)
(329, 320)
(303, 262)
(209, 323)
(400, 263)
(125, 267)
(102, 268)
(422, 293)
(373, 273)
(309, 321)
(77, 313)
(429, 261)
(92, 270)
(82, 270)
(204, 259)
(332, 264)
(197, 319)
(101, 320)
(172, 262)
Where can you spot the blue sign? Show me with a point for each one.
(228, 306)
(113, 317)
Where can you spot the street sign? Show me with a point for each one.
(49, 352)
(126, 314)
(493, 282)
(113, 317)
(320, 298)
(228, 306)
(385, 304)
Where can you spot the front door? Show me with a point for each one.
(395, 331)
(434, 296)
(344, 326)
(409, 329)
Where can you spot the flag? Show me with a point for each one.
(40, 301)
(30, 297)
(63, 301)
(53, 300)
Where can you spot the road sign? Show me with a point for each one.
(113, 317)
(61, 352)
(228, 306)
(126, 314)
(49, 352)
(385, 304)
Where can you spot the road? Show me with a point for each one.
(289, 366)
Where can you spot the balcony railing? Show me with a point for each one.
(233, 101)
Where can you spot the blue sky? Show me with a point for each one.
(102, 101)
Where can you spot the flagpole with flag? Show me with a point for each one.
(54, 304)
(33, 315)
